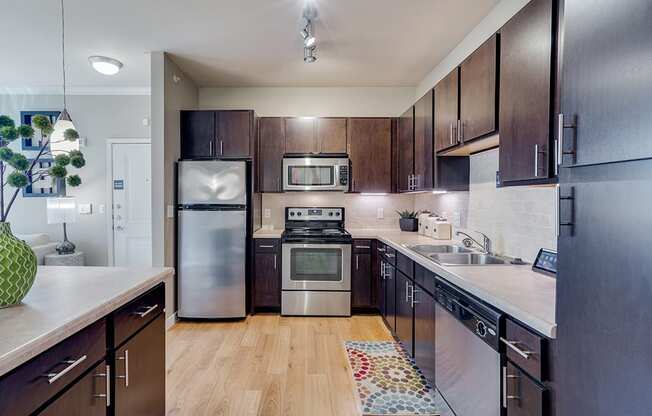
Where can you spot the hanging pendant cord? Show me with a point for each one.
(63, 52)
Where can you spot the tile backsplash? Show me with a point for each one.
(519, 220)
(361, 211)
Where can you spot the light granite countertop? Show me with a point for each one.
(65, 300)
(516, 290)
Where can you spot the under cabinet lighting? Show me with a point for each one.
(373, 194)
(439, 192)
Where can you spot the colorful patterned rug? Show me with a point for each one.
(389, 383)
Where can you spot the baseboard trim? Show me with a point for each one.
(170, 321)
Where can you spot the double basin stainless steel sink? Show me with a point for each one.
(451, 255)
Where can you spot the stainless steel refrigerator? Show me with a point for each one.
(213, 220)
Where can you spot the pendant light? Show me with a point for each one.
(58, 144)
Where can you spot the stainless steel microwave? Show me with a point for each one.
(314, 173)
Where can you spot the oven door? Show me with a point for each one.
(316, 267)
(315, 174)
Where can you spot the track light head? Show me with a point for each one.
(309, 55)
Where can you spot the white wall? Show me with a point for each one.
(172, 91)
(97, 118)
(519, 220)
(498, 16)
(318, 101)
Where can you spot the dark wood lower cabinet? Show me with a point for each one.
(389, 283)
(361, 281)
(523, 395)
(140, 372)
(87, 397)
(404, 312)
(424, 333)
(267, 280)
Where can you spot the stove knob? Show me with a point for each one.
(481, 329)
(291, 214)
(330, 214)
(298, 213)
(337, 214)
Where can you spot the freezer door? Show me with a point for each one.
(212, 258)
(212, 183)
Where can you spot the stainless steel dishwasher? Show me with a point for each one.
(467, 358)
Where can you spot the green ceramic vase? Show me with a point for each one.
(17, 267)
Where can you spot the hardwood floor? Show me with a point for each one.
(265, 365)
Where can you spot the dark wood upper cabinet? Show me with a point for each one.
(605, 81)
(526, 54)
(197, 134)
(405, 150)
(271, 145)
(423, 143)
(216, 134)
(446, 111)
(300, 135)
(478, 94)
(234, 133)
(140, 372)
(370, 152)
(331, 135)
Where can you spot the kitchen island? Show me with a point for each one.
(79, 326)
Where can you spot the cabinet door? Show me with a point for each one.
(370, 151)
(390, 296)
(382, 287)
(87, 397)
(331, 135)
(300, 135)
(267, 280)
(524, 396)
(605, 80)
(525, 93)
(234, 133)
(423, 142)
(197, 134)
(424, 333)
(404, 312)
(140, 372)
(446, 111)
(271, 142)
(478, 92)
(361, 280)
(405, 149)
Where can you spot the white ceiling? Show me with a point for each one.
(234, 42)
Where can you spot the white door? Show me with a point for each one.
(131, 186)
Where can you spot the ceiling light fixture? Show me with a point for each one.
(309, 55)
(105, 65)
(309, 42)
(64, 121)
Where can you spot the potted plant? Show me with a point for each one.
(17, 260)
(408, 220)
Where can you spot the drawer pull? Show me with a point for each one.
(512, 345)
(147, 311)
(52, 377)
(265, 246)
(381, 250)
(107, 378)
(363, 247)
(126, 360)
(506, 396)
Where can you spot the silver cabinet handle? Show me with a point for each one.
(147, 311)
(357, 262)
(414, 301)
(363, 247)
(506, 395)
(221, 148)
(210, 148)
(265, 246)
(274, 261)
(53, 377)
(407, 292)
(561, 125)
(382, 270)
(536, 160)
(460, 131)
(512, 345)
(380, 249)
(107, 379)
(125, 358)
(451, 133)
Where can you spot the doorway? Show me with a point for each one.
(129, 190)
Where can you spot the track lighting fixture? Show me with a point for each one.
(309, 55)
(309, 42)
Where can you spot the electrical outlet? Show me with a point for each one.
(380, 213)
(85, 209)
(268, 213)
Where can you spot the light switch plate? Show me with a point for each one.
(268, 213)
(380, 213)
(85, 209)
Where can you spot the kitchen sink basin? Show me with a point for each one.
(466, 259)
(427, 249)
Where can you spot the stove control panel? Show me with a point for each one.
(314, 214)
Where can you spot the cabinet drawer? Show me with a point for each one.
(137, 313)
(267, 245)
(26, 388)
(525, 349)
(424, 278)
(405, 264)
(362, 246)
(523, 396)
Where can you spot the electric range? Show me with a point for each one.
(316, 263)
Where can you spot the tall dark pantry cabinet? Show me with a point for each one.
(604, 283)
